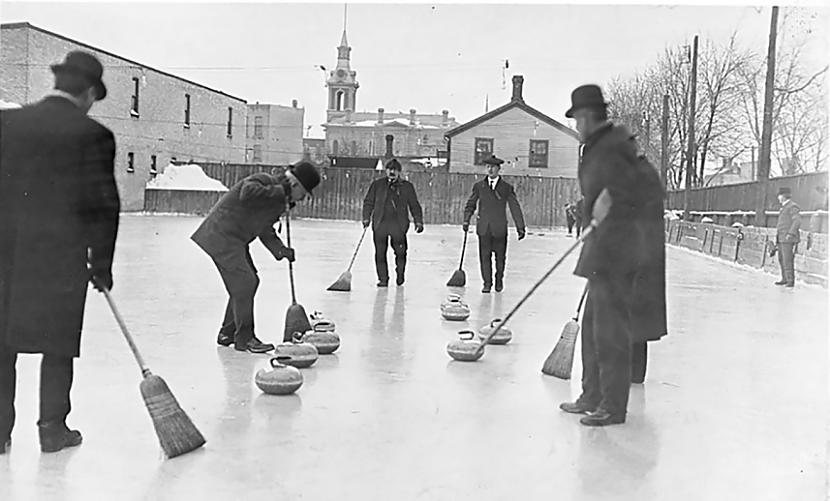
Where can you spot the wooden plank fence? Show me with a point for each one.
(442, 194)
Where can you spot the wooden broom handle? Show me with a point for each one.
(538, 283)
(581, 301)
(144, 370)
(357, 248)
(463, 248)
(290, 263)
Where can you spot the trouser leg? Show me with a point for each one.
(639, 360)
(56, 373)
(591, 394)
(787, 256)
(8, 380)
(500, 250)
(613, 341)
(228, 325)
(241, 281)
(399, 246)
(381, 238)
(485, 250)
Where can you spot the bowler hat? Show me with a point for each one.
(784, 191)
(86, 66)
(393, 164)
(307, 175)
(493, 160)
(586, 96)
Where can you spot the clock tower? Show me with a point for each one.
(342, 84)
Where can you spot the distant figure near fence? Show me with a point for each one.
(787, 236)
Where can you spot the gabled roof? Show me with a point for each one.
(509, 106)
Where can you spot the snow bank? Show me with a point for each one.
(8, 105)
(185, 177)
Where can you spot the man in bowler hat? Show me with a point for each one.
(386, 206)
(59, 208)
(787, 236)
(247, 211)
(492, 195)
(623, 259)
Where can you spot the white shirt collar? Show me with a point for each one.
(494, 181)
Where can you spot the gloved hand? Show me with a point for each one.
(101, 279)
(465, 227)
(521, 234)
(365, 223)
(419, 227)
(287, 253)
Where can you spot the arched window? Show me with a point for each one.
(334, 147)
(338, 105)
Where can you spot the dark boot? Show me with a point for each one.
(5, 445)
(601, 417)
(254, 346)
(577, 407)
(224, 339)
(56, 436)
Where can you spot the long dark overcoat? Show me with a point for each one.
(492, 207)
(59, 209)
(630, 244)
(375, 201)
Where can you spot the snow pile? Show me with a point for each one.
(185, 177)
(8, 105)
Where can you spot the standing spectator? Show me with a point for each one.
(569, 217)
(58, 223)
(623, 260)
(579, 207)
(387, 205)
(787, 236)
(247, 211)
(492, 195)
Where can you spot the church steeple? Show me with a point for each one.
(342, 81)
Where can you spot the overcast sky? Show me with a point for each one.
(418, 55)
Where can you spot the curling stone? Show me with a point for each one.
(466, 347)
(503, 336)
(302, 354)
(281, 379)
(326, 341)
(454, 309)
(325, 324)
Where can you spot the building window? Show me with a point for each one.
(230, 121)
(484, 148)
(257, 127)
(187, 110)
(153, 169)
(538, 154)
(130, 162)
(334, 147)
(338, 105)
(134, 102)
(257, 153)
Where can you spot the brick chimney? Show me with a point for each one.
(293, 103)
(412, 116)
(446, 117)
(380, 115)
(518, 80)
(389, 139)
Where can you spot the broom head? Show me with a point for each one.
(343, 283)
(458, 279)
(176, 432)
(561, 360)
(296, 320)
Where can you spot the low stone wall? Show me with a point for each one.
(750, 246)
(180, 201)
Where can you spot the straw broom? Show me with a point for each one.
(459, 278)
(344, 281)
(296, 319)
(561, 360)
(176, 432)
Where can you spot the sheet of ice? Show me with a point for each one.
(185, 177)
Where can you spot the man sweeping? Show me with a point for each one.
(247, 211)
(623, 259)
(58, 223)
(386, 206)
(492, 195)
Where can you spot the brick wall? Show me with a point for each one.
(159, 127)
(511, 132)
(282, 133)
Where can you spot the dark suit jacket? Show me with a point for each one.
(59, 210)
(492, 213)
(375, 201)
(629, 244)
(247, 211)
(789, 222)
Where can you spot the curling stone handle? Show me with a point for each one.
(297, 337)
(466, 335)
(277, 361)
(494, 322)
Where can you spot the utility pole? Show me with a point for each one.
(664, 140)
(690, 150)
(766, 131)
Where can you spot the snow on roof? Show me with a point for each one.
(374, 123)
(432, 161)
(185, 177)
(8, 105)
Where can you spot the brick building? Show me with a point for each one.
(156, 117)
(530, 142)
(362, 134)
(274, 134)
